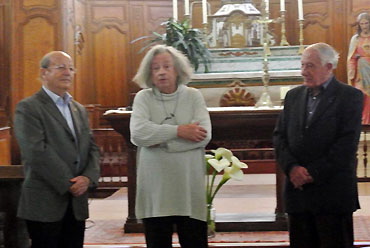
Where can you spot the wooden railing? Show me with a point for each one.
(363, 170)
(113, 160)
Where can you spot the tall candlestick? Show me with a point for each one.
(186, 7)
(174, 4)
(204, 8)
(282, 5)
(300, 10)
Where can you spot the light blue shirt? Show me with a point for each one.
(63, 106)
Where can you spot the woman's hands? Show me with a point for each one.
(193, 132)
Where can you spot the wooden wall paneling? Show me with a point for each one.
(85, 89)
(38, 35)
(145, 17)
(137, 22)
(4, 62)
(5, 146)
(316, 23)
(108, 25)
(35, 31)
(291, 22)
(275, 28)
(338, 40)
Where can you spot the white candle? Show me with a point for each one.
(186, 7)
(204, 8)
(174, 4)
(267, 6)
(300, 10)
(282, 5)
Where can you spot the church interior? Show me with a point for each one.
(255, 48)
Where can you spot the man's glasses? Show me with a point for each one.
(62, 68)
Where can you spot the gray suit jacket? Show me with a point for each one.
(49, 154)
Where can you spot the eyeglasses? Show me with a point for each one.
(63, 67)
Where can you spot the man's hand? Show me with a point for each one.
(192, 132)
(299, 176)
(79, 186)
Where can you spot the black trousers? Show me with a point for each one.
(67, 233)
(192, 233)
(321, 231)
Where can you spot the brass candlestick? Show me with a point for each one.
(265, 99)
(301, 47)
(283, 41)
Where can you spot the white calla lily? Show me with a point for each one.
(208, 156)
(222, 153)
(219, 165)
(222, 160)
(234, 172)
(237, 162)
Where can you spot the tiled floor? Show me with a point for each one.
(254, 195)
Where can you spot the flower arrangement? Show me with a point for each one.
(222, 160)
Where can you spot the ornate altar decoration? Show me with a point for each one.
(233, 25)
(238, 95)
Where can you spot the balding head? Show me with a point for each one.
(56, 72)
(45, 61)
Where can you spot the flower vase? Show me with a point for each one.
(211, 221)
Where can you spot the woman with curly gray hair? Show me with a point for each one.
(170, 125)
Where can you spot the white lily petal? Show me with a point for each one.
(209, 156)
(219, 165)
(226, 175)
(222, 153)
(237, 162)
(235, 172)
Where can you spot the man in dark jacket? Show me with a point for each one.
(316, 142)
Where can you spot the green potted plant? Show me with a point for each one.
(184, 38)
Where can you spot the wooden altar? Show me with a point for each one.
(228, 124)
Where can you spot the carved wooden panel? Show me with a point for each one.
(37, 33)
(145, 17)
(111, 57)
(39, 3)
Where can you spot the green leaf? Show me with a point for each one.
(182, 37)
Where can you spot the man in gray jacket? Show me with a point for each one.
(60, 157)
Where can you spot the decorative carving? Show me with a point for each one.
(79, 39)
(237, 96)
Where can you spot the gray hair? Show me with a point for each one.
(361, 16)
(182, 65)
(327, 53)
